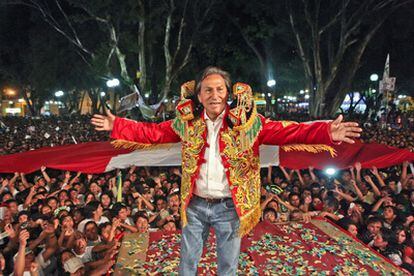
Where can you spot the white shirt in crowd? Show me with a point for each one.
(212, 181)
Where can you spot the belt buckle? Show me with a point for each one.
(211, 200)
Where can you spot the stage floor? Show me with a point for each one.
(315, 248)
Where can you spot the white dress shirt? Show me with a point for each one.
(212, 180)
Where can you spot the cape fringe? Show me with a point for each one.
(184, 220)
(249, 123)
(124, 144)
(249, 220)
(310, 148)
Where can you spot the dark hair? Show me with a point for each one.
(116, 208)
(173, 194)
(269, 210)
(388, 235)
(51, 198)
(332, 202)
(108, 194)
(88, 223)
(163, 198)
(90, 208)
(293, 194)
(211, 70)
(63, 217)
(63, 191)
(102, 226)
(24, 212)
(374, 219)
(345, 222)
(11, 200)
(140, 214)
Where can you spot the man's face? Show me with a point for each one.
(374, 227)
(392, 185)
(68, 222)
(23, 218)
(388, 213)
(169, 226)
(174, 203)
(295, 201)
(161, 204)
(353, 230)
(142, 225)
(213, 95)
(270, 217)
(13, 208)
(80, 245)
(123, 214)
(346, 176)
(91, 232)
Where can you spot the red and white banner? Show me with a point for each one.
(98, 157)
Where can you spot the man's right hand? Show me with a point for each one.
(102, 122)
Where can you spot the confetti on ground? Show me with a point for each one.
(316, 248)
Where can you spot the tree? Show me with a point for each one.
(331, 38)
(260, 40)
(124, 38)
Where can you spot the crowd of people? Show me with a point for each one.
(19, 134)
(65, 223)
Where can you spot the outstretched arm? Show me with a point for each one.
(281, 133)
(125, 129)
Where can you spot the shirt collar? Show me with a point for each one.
(219, 117)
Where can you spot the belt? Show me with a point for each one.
(212, 200)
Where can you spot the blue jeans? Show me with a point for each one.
(202, 215)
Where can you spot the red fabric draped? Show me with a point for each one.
(93, 157)
(86, 157)
(369, 155)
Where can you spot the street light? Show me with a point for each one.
(59, 93)
(103, 94)
(112, 82)
(330, 171)
(373, 77)
(271, 83)
(9, 92)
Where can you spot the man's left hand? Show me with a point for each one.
(344, 131)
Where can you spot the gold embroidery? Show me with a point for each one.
(244, 169)
(310, 148)
(191, 150)
(244, 177)
(288, 123)
(119, 143)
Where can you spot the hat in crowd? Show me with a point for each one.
(73, 264)
(60, 209)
